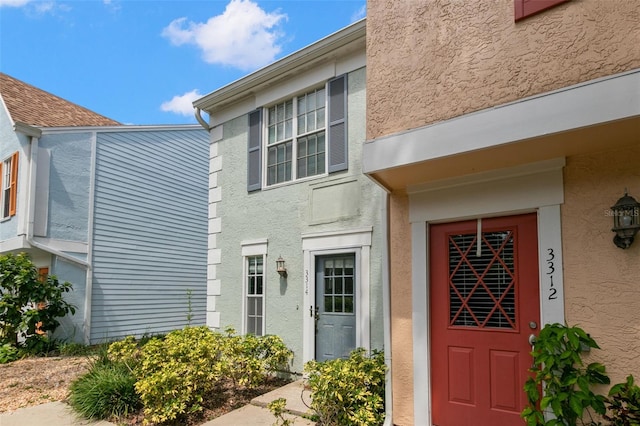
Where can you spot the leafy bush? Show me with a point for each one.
(624, 404)
(248, 359)
(8, 353)
(29, 302)
(176, 372)
(558, 365)
(106, 391)
(348, 391)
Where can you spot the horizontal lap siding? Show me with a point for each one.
(149, 232)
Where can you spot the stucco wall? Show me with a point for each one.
(430, 61)
(401, 326)
(602, 284)
(282, 215)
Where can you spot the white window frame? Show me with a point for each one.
(253, 248)
(294, 138)
(5, 194)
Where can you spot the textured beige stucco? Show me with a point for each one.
(401, 326)
(602, 282)
(433, 60)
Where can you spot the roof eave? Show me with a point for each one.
(27, 129)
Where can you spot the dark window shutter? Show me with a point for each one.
(524, 8)
(337, 135)
(254, 158)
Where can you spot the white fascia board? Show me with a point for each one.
(595, 102)
(314, 52)
(120, 128)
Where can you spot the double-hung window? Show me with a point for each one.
(254, 295)
(296, 145)
(300, 137)
(9, 186)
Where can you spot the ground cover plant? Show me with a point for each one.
(181, 377)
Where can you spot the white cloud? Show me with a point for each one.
(243, 36)
(13, 3)
(181, 104)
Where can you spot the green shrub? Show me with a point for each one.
(624, 404)
(29, 302)
(249, 359)
(558, 366)
(8, 353)
(106, 391)
(176, 372)
(76, 349)
(348, 391)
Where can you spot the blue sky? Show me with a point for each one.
(145, 61)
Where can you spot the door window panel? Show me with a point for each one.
(482, 283)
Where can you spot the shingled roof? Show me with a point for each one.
(33, 106)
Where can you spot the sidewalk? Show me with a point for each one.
(254, 414)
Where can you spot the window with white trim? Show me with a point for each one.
(296, 138)
(9, 185)
(300, 137)
(254, 295)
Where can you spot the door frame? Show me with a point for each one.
(357, 241)
(534, 187)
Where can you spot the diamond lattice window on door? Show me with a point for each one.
(482, 282)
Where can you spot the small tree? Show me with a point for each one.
(29, 302)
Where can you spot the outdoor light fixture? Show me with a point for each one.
(626, 220)
(280, 267)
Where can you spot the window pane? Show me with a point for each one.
(288, 110)
(321, 118)
(271, 175)
(337, 304)
(348, 304)
(311, 120)
(289, 150)
(251, 307)
(252, 286)
(258, 306)
(348, 285)
(328, 304)
(328, 286)
(251, 326)
(258, 327)
(272, 115)
(280, 131)
(302, 122)
(280, 113)
(288, 129)
(258, 285)
(272, 135)
(302, 106)
(338, 285)
(320, 98)
(302, 168)
(288, 171)
(311, 101)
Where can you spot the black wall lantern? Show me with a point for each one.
(626, 220)
(280, 267)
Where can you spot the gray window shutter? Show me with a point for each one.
(254, 158)
(337, 137)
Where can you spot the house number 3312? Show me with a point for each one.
(551, 269)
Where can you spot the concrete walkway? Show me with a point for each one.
(254, 414)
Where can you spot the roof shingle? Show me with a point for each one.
(33, 106)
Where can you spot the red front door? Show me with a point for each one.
(484, 306)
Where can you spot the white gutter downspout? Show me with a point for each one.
(386, 315)
(35, 133)
(201, 120)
